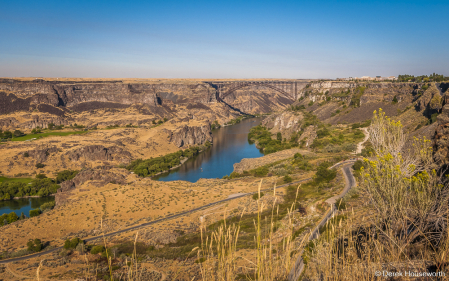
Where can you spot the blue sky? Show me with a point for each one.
(223, 39)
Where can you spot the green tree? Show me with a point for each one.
(71, 244)
(34, 245)
(35, 213)
(17, 133)
(279, 136)
(40, 165)
(12, 217)
(47, 206)
(7, 135)
(65, 175)
(395, 100)
(324, 174)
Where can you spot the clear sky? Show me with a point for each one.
(223, 39)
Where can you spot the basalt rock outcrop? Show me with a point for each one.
(191, 135)
(99, 153)
(41, 155)
(98, 177)
(286, 122)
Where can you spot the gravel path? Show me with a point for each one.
(360, 145)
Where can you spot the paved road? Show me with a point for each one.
(148, 223)
(298, 267)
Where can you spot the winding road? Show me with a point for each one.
(148, 223)
(346, 169)
(299, 265)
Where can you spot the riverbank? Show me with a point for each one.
(230, 146)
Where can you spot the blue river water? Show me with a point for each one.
(23, 205)
(230, 146)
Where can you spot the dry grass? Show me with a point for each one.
(407, 230)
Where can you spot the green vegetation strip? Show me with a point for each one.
(153, 166)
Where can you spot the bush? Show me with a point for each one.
(279, 136)
(71, 244)
(395, 100)
(66, 175)
(322, 133)
(433, 117)
(47, 206)
(96, 250)
(18, 133)
(26, 154)
(357, 165)
(261, 171)
(40, 165)
(34, 245)
(323, 174)
(21, 253)
(35, 213)
(298, 156)
(287, 179)
(41, 176)
(256, 195)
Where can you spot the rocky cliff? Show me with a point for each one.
(97, 177)
(100, 153)
(191, 135)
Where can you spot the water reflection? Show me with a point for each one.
(230, 146)
(23, 205)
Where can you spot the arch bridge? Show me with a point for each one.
(289, 89)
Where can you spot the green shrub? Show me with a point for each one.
(40, 165)
(395, 100)
(35, 213)
(26, 154)
(433, 117)
(65, 175)
(287, 179)
(357, 165)
(97, 249)
(41, 176)
(324, 174)
(256, 195)
(71, 244)
(47, 206)
(261, 171)
(34, 245)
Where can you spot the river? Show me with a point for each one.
(230, 146)
(23, 205)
